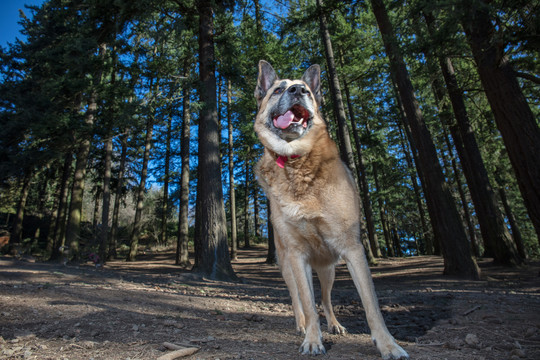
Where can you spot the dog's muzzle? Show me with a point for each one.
(292, 122)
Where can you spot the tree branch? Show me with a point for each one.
(530, 77)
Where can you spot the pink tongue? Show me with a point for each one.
(283, 121)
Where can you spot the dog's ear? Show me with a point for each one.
(267, 77)
(312, 77)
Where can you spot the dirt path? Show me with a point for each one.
(127, 310)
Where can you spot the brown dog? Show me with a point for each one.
(315, 206)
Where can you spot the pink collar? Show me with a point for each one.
(282, 159)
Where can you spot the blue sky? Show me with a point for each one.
(9, 16)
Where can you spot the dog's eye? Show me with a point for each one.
(278, 91)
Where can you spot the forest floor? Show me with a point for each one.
(128, 310)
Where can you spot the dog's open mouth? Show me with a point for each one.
(293, 123)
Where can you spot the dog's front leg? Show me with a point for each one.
(359, 269)
(298, 311)
(301, 271)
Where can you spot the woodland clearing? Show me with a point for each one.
(128, 310)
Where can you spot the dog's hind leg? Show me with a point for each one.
(359, 269)
(326, 277)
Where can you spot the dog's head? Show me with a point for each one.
(288, 119)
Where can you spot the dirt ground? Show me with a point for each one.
(128, 310)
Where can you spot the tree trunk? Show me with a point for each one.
(54, 216)
(73, 227)
(63, 189)
(256, 229)
(104, 230)
(232, 195)
(462, 196)
(247, 243)
(182, 251)
(432, 247)
(335, 92)
(495, 234)
(515, 120)
(444, 217)
(166, 177)
(426, 237)
(516, 233)
(382, 213)
(210, 224)
(363, 181)
(141, 190)
(112, 254)
(16, 232)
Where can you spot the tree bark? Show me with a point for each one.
(247, 243)
(55, 231)
(515, 120)
(232, 195)
(516, 233)
(16, 232)
(73, 227)
(335, 92)
(166, 178)
(426, 237)
(495, 234)
(432, 247)
(135, 234)
(112, 254)
(364, 186)
(54, 213)
(467, 217)
(95, 220)
(382, 214)
(256, 230)
(444, 217)
(104, 230)
(182, 251)
(210, 224)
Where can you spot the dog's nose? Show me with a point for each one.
(298, 89)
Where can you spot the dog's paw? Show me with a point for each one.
(336, 329)
(390, 350)
(301, 330)
(312, 348)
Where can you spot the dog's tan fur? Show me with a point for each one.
(315, 213)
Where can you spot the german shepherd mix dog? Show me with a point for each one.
(314, 205)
